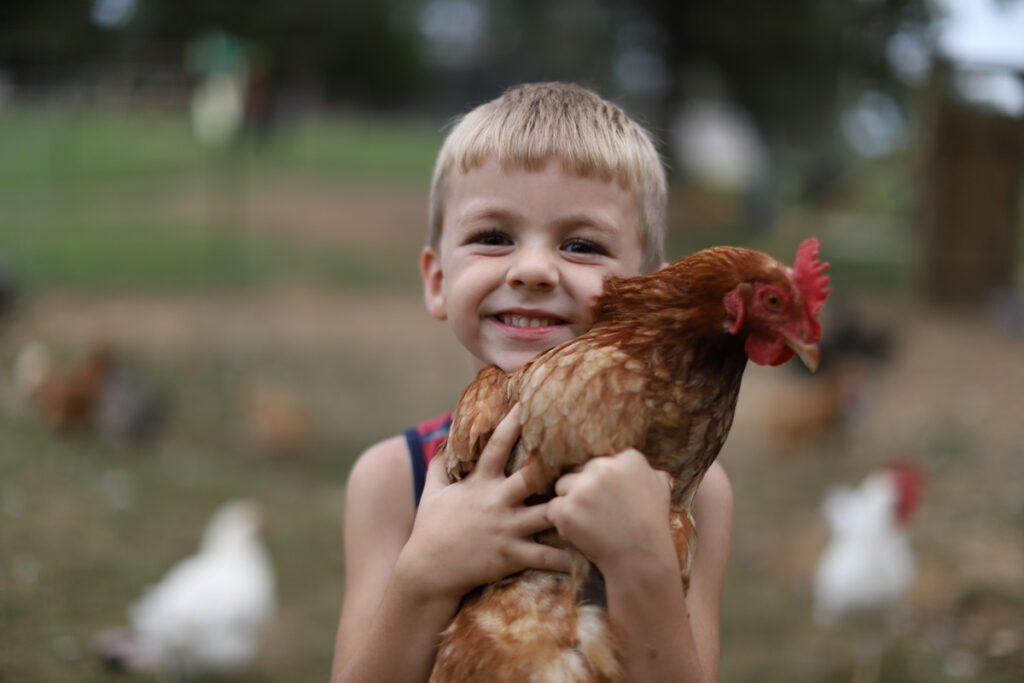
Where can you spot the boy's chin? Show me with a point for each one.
(512, 356)
(510, 361)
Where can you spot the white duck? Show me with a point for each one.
(208, 613)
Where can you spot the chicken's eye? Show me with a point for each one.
(771, 301)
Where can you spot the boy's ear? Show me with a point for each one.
(433, 283)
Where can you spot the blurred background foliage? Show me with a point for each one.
(439, 55)
(232, 196)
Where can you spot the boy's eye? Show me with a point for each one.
(581, 246)
(489, 238)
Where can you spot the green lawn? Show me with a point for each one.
(87, 199)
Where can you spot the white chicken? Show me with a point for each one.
(868, 565)
(207, 615)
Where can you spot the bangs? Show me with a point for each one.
(531, 125)
(595, 141)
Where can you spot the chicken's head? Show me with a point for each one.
(778, 310)
(909, 481)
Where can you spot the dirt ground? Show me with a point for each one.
(949, 399)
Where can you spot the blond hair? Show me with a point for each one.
(530, 124)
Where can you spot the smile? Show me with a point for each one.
(515, 320)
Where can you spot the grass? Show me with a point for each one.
(393, 151)
(87, 524)
(69, 148)
(81, 253)
(89, 199)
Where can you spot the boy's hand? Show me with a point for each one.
(615, 510)
(477, 530)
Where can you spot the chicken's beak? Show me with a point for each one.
(808, 352)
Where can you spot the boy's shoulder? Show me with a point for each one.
(400, 463)
(379, 508)
(383, 471)
(388, 449)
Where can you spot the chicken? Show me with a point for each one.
(659, 371)
(98, 391)
(65, 398)
(31, 365)
(868, 566)
(206, 616)
(819, 411)
(127, 409)
(276, 420)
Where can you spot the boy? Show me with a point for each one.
(537, 198)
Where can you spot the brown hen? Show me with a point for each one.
(67, 398)
(659, 371)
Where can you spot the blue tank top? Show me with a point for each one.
(423, 440)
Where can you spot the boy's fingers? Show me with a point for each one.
(437, 475)
(565, 482)
(526, 481)
(540, 556)
(499, 447)
(532, 519)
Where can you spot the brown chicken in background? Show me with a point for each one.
(276, 421)
(821, 411)
(97, 391)
(65, 398)
(659, 371)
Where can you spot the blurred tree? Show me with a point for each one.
(352, 49)
(47, 34)
(792, 65)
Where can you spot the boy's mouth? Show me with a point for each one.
(517, 320)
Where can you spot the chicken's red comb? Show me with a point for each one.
(910, 484)
(809, 274)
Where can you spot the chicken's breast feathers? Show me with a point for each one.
(586, 400)
(481, 407)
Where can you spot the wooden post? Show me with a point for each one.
(970, 204)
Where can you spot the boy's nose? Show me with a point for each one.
(533, 268)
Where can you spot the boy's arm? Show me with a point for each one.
(713, 510)
(404, 579)
(615, 510)
(382, 621)
(671, 638)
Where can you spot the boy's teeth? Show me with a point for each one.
(526, 321)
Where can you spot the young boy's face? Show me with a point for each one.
(523, 255)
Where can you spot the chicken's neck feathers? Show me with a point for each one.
(693, 287)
